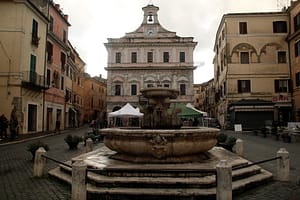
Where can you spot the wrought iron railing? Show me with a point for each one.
(34, 79)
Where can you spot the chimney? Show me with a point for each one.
(66, 17)
(57, 7)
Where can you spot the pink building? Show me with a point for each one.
(57, 54)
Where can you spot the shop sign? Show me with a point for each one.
(280, 98)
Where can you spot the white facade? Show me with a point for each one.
(150, 56)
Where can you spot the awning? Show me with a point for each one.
(185, 112)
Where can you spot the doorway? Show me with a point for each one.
(32, 117)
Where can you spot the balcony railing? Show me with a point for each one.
(33, 79)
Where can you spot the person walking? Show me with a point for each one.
(13, 126)
(57, 126)
(3, 126)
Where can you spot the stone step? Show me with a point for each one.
(168, 182)
(252, 181)
(177, 193)
(155, 182)
(146, 193)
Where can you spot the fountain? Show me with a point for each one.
(161, 160)
(161, 140)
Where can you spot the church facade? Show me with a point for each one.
(150, 56)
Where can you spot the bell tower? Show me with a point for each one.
(150, 14)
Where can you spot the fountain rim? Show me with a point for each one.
(140, 131)
(153, 92)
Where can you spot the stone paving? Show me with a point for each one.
(258, 148)
(16, 169)
(18, 183)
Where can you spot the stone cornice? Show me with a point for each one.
(152, 44)
(151, 68)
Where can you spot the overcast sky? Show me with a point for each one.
(93, 21)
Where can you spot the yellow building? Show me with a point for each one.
(251, 69)
(199, 95)
(23, 30)
(94, 98)
(74, 89)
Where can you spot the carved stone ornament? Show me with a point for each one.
(159, 146)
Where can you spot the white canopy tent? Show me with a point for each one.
(127, 111)
(204, 114)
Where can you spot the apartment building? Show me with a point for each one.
(94, 98)
(23, 31)
(252, 69)
(74, 90)
(294, 43)
(57, 55)
(199, 95)
(150, 56)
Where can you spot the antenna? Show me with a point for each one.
(282, 4)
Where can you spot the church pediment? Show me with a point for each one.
(150, 26)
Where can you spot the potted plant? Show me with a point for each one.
(72, 141)
(228, 144)
(89, 135)
(32, 147)
(222, 137)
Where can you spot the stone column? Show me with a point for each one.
(239, 147)
(39, 162)
(224, 180)
(283, 165)
(88, 145)
(79, 180)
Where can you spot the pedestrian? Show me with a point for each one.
(3, 126)
(57, 125)
(13, 126)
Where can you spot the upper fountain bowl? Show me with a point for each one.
(160, 92)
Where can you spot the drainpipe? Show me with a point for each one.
(291, 82)
(45, 74)
(293, 117)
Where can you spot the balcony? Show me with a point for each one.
(33, 80)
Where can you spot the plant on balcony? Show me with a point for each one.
(73, 141)
(35, 41)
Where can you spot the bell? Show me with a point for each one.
(150, 19)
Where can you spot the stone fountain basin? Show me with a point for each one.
(160, 144)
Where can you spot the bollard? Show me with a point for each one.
(89, 145)
(239, 147)
(79, 180)
(283, 165)
(39, 162)
(224, 181)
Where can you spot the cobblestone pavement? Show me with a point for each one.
(258, 148)
(18, 183)
(16, 169)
